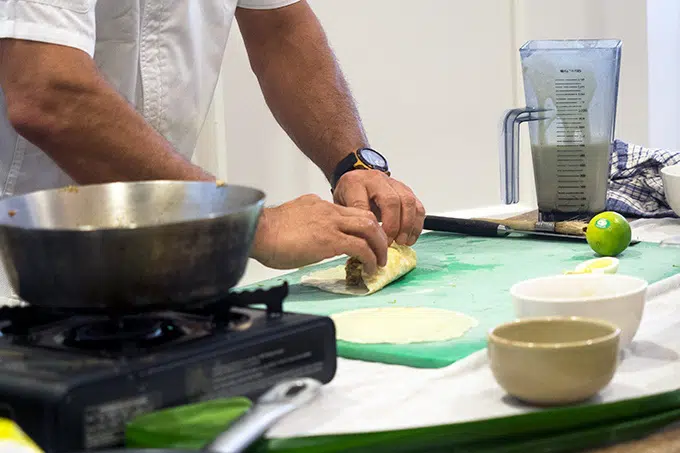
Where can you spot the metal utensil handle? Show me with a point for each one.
(465, 226)
(279, 401)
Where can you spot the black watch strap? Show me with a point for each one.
(354, 161)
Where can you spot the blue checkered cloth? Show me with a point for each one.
(635, 185)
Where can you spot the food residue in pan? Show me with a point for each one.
(12, 212)
(70, 189)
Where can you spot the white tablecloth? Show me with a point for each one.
(372, 397)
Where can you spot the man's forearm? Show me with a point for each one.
(103, 139)
(85, 126)
(303, 84)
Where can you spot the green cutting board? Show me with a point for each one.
(472, 275)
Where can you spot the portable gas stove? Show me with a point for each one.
(72, 380)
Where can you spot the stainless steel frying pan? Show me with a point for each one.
(126, 245)
(281, 400)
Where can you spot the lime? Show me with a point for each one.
(608, 233)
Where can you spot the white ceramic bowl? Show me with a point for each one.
(671, 184)
(619, 299)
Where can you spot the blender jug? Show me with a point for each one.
(570, 88)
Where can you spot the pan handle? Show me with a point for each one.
(279, 401)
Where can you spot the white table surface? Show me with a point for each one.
(367, 396)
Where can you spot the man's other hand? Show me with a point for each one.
(394, 203)
(308, 230)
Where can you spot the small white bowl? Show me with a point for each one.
(619, 299)
(670, 176)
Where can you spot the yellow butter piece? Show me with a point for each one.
(606, 265)
(601, 263)
(584, 271)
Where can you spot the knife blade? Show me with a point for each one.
(474, 227)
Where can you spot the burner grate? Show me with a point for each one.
(20, 320)
(119, 333)
(126, 333)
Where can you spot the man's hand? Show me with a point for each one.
(394, 203)
(309, 97)
(308, 230)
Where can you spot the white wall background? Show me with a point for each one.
(432, 79)
(663, 25)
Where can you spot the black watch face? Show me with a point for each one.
(372, 158)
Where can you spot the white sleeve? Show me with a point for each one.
(65, 22)
(264, 4)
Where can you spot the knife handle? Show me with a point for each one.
(464, 226)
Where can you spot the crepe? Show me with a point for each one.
(351, 278)
(401, 325)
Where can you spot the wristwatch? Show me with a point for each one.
(361, 159)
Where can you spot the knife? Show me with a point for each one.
(474, 227)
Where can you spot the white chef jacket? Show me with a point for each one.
(163, 56)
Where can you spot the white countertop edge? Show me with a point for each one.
(498, 211)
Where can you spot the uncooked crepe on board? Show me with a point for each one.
(401, 325)
(401, 260)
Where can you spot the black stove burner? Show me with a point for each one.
(114, 334)
(140, 332)
(72, 380)
(18, 321)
